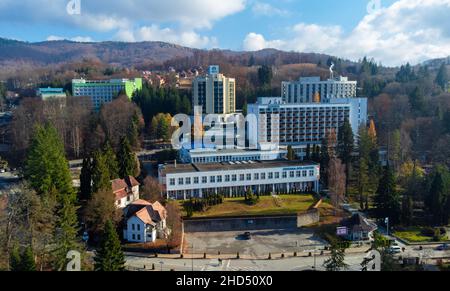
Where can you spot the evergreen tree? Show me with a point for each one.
(100, 173)
(324, 161)
(111, 161)
(109, 257)
(442, 78)
(46, 167)
(265, 75)
(337, 260)
(133, 133)
(407, 210)
(417, 101)
(15, 259)
(86, 179)
(127, 160)
(387, 200)
(363, 181)
(27, 263)
(437, 198)
(345, 146)
(66, 233)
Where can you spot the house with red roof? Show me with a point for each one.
(145, 222)
(126, 191)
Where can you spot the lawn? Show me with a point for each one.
(414, 235)
(267, 205)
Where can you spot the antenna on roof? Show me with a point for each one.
(331, 71)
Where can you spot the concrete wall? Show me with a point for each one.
(240, 223)
(308, 218)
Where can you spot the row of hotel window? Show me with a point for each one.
(242, 177)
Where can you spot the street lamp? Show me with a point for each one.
(161, 263)
(192, 257)
(386, 220)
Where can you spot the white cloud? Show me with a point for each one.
(265, 9)
(407, 31)
(256, 42)
(128, 20)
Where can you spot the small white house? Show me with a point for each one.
(144, 222)
(126, 191)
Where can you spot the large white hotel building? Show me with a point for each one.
(184, 181)
(215, 93)
(305, 89)
(300, 125)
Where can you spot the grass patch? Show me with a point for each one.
(267, 205)
(415, 235)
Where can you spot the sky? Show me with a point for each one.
(392, 32)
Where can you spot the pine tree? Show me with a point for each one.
(100, 173)
(111, 161)
(345, 146)
(407, 210)
(46, 167)
(387, 200)
(66, 233)
(86, 179)
(324, 161)
(109, 257)
(417, 101)
(337, 260)
(15, 259)
(437, 198)
(27, 263)
(127, 160)
(442, 78)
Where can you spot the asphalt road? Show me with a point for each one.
(289, 264)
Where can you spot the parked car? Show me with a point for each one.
(247, 236)
(444, 247)
(395, 250)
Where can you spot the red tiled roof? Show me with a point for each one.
(145, 216)
(128, 182)
(147, 212)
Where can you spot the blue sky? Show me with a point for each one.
(395, 32)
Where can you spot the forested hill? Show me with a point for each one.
(19, 53)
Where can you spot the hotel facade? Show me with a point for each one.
(215, 93)
(299, 125)
(104, 91)
(233, 179)
(305, 89)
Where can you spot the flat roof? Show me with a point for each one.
(229, 166)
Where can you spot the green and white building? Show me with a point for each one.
(49, 93)
(104, 91)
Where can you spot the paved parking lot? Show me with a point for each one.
(261, 243)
